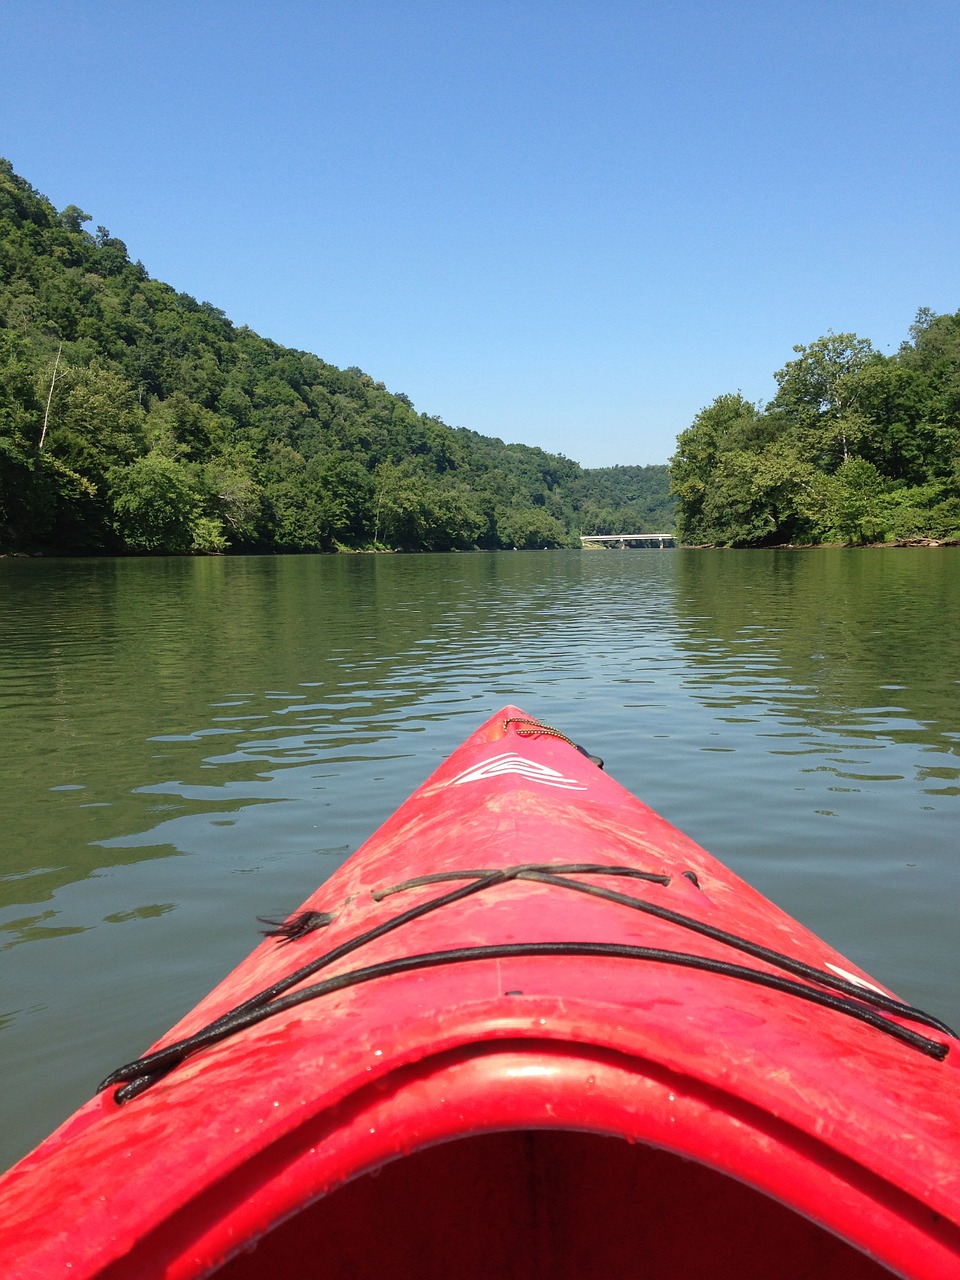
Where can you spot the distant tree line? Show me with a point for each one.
(135, 419)
(855, 447)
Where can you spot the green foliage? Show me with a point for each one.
(822, 380)
(418, 512)
(853, 510)
(712, 434)
(855, 447)
(622, 500)
(155, 507)
(207, 536)
(530, 529)
(165, 428)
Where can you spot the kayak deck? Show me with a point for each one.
(529, 1028)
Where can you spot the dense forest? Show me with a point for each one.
(855, 447)
(135, 419)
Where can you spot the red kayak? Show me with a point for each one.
(528, 1029)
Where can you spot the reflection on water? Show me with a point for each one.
(190, 744)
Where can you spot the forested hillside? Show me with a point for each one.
(134, 418)
(855, 447)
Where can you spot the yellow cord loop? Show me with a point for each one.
(534, 729)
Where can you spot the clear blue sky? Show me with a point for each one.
(562, 223)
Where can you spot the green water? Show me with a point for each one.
(188, 744)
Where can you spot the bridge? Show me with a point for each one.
(620, 541)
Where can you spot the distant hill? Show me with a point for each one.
(135, 419)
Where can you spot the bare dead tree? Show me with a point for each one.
(53, 382)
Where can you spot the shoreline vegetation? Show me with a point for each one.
(856, 448)
(135, 420)
(896, 545)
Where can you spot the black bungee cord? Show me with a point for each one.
(842, 995)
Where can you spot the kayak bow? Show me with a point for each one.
(529, 1028)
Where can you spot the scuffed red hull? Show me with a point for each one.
(618, 1113)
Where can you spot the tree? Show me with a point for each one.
(416, 512)
(766, 497)
(854, 511)
(820, 380)
(819, 393)
(154, 505)
(694, 465)
(531, 529)
(293, 519)
(73, 219)
(232, 496)
(345, 493)
(889, 427)
(180, 428)
(94, 418)
(934, 357)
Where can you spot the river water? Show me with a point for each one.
(187, 745)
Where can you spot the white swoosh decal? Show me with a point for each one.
(509, 762)
(852, 977)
